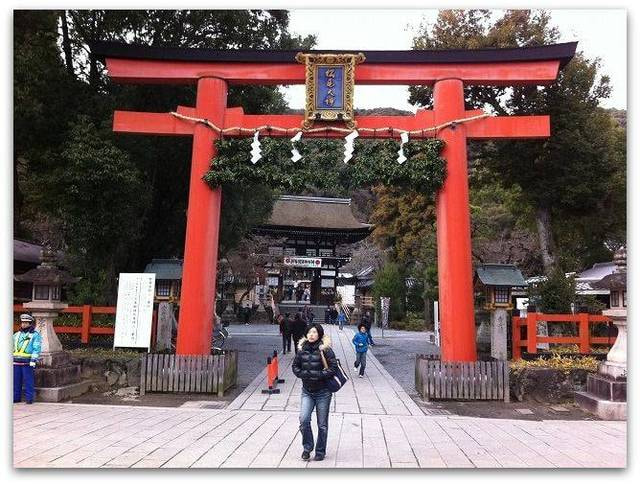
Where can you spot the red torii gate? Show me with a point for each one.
(447, 71)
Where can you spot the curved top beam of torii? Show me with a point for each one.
(497, 67)
(447, 71)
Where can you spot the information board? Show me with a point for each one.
(134, 312)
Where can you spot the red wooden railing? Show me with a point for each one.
(87, 329)
(531, 341)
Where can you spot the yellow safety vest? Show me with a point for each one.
(19, 350)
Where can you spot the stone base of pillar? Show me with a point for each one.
(57, 379)
(615, 370)
(605, 397)
(53, 359)
(607, 410)
(61, 393)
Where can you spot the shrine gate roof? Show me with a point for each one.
(325, 213)
(562, 52)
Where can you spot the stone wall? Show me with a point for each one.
(546, 385)
(109, 372)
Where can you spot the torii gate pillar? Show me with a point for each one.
(455, 285)
(197, 305)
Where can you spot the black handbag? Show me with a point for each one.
(335, 383)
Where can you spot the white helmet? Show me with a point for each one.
(25, 317)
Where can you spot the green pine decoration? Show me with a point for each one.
(374, 162)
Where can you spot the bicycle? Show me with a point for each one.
(220, 335)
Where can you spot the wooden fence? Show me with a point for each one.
(531, 339)
(462, 380)
(189, 373)
(86, 329)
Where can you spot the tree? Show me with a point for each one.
(99, 204)
(390, 282)
(57, 80)
(565, 177)
(554, 294)
(499, 234)
(45, 99)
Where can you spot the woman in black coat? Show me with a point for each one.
(309, 365)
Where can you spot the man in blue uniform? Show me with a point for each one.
(27, 344)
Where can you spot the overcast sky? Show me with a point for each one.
(600, 33)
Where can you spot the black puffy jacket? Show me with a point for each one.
(308, 365)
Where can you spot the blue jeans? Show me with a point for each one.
(341, 323)
(321, 400)
(23, 374)
(361, 361)
(369, 337)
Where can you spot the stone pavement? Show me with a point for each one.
(373, 424)
(376, 393)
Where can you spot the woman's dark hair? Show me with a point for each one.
(318, 328)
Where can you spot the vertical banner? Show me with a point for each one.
(384, 306)
(134, 312)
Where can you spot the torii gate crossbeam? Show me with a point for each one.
(447, 71)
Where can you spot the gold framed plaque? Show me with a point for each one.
(329, 80)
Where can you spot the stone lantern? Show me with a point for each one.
(55, 377)
(606, 393)
(496, 282)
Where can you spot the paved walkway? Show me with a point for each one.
(376, 393)
(373, 424)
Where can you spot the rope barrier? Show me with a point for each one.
(326, 129)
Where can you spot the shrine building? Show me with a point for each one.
(317, 233)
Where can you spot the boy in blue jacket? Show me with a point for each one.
(361, 342)
(27, 344)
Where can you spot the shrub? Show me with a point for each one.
(558, 362)
(413, 322)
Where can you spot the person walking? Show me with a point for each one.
(366, 321)
(333, 315)
(361, 342)
(246, 311)
(342, 318)
(309, 316)
(297, 329)
(314, 363)
(285, 331)
(27, 344)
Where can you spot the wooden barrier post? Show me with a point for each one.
(583, 322)
(86, 324)
(532, 332)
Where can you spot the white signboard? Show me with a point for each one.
(301, 262)
(134, 312)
